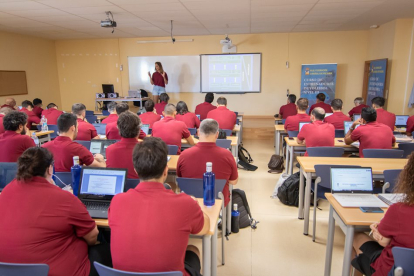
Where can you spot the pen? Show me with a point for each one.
(370, 233)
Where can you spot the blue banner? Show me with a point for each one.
(376, 80)
(318, 78)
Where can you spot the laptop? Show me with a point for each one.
(347, 125)
(145, 128)
(97, 188)
(301, 124)
(134, 94)
(328, 114)
(401, 120)
(356, 117)
(198, 116)
(100, 145)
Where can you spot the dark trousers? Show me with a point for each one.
(100, 253)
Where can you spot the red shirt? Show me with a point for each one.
(44, 224)
(397, 225)
(31, 117)
(37, 110)
(203, 109)
(119, 155)
(149, 118)
(170, 131)
(52, 115)
(158, 79)
(287, 110)
(192, 164)
(386, 118)
(9, 106)
(159, 107)
(317, 134)
(63, 150)
(112, 132)
(110, 119)
(373, 135)
(224, 117)
(150, 228)
(292, 123)
(86, 131)
(410, 125)
(357, 109)
(325, 106)
(190, 119)
(1, 124)
(13, 144)
(337, 119)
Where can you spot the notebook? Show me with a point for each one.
(391, 198)
(301, 124)
(401, 120)
(99, 146)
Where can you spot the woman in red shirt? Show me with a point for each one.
(159, 79)
(395, 229)
(190, 119)
(159, 107)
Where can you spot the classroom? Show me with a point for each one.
(108, 95)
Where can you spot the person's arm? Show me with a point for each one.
(233, 182)
(393, 140)
(98, 161)
(190, 140)
(164, 75)
(92, 236)
(300, 139)
(300, 142)
(383, 241)
(152, 82)
(206, 226)
(348, 139)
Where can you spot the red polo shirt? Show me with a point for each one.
(1, 123)
(337, 119)
(170, 131)
(357, 109)
(31, 117)
(150, 228)
(37, 110)
(203, 109)
(13, 144)
(112, 132)
(9, 106)
(410, 124)
(52, 115)
(225, 117)
(110, 119)
(63, 150)
(325, 106)
(86, 131)
(44, 224)
(386, 118)
(292, 122)
(373, 135)
(192, 164)
(158, 79)
(287, 110)
(159, 107)
(317, 134)
(149, 118)
(119, 155)
(190, 119)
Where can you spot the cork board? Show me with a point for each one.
(13, 83)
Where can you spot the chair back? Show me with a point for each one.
(91, 119)
(382, 153)
(403, 258)
(194, 186)
(65, 177)
(193, 131)
(228, 132)
(172, 149)
(86, 144)
(55, 129)
(324, 172)
(8, 172)
(283, 121)
(237, 121)
(408, 148)
(391, 176)
(223, 143)
(105, 112)
(24, 269)
(339, 133)
(89, 113)
(325, 151)
(107, 271)
(293, 133)
(100, 128)
(130, 183)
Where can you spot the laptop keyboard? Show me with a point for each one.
(101, 206)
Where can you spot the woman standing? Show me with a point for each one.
(159, 79)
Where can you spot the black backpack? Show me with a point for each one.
(239, 198)
(245, 159)
(288, 193)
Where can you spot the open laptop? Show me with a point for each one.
(347, 125)
(97, 188)
(356, 117)
(134, 94)
(328, 114)
(198, 116)
(401, 120)
(100, 145)
(145, 128)
(301, 124)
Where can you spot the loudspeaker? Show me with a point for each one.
(112, 95)
(100, 95)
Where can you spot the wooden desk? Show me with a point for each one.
(45, 134)
(101, 117)
(279, 130)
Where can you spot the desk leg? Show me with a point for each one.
(307, 203)
(346, 266)
(329, 243)
(228, 218)
(277, 142)
(234, 150)
(207, 255)
(301, 192)
(48, 138)
(291, 160)
(287, 159)
(241, 132)
(214, 253)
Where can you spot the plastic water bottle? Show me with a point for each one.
(209, 179)
(235, 219)
(76, 173)
(43, 122)
(35, 139)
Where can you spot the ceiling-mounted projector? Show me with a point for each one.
(228, 46)
(109, 22)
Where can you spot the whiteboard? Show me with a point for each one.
(183, 72)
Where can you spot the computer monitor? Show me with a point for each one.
(301, 124)
(108, 88)
(328, 114)
(401, 120)
(101, 183)
(356, 117)
(351, 180)
(145, 128)
(100, 145)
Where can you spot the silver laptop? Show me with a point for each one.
(301, 124)
(100, 145)
(356, 117)
(145, 128)
(328, 114)
(401, 120)
(134, 94)
(347, 125)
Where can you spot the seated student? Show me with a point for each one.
(288, 109)
(119, 155)
(112, 131)
(16, 138)
(370, 133)
(3, 112)
(10, 103)
(204, 108)
(52, 114)
(150, 225)
(359, 105)
(64, 149)
(320, 102)
(383, 116)
(224, 117)
(318, 133)
(27, 107)
(112, 114)
(337, 118)
(170, 130)
(149, 117)
(86, 131)
(192, 162)
(61, 228)
(410, 125)
(292, 122)
(183, 115)
(37, 107)
(159, 107)
(374, 255)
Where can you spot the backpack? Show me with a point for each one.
(276, 164)
(222, 134)
(245, 159)
(288, 193)
(239, 198)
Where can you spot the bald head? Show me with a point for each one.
(169, 110)
(11, 102)
(318, 113)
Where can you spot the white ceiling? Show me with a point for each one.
(74, 19)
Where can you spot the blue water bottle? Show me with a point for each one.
(76, 172)
(209, 179)
(235, 219)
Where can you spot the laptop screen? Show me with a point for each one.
(99, 146)
(198, 116)
(101, 183)
(401, 120)
(351, 180)
(328, 114)
(145, 128)
(347, 125)
(301, 124)
(357, 116)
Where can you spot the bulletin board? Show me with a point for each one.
(13, 83)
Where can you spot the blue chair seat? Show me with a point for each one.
(108, 271)
(193, 131)
(12, 269)
(228, 131)
(172, 149)
(223, 143)
(382, 153)
(8, 171)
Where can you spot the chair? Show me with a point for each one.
(339, 133)
(223, 143)
(325, 151)
(228, 132)
(130, 183)
(8, 172)
(86, 144)
(292, 133)
(91, 119)
(172, 149)
(24, 269)
(100, 128)
(50, 127)
(237, 121)
(65, 177)
(104, 113)
(237, 113)
(283, 121)
(382, 153)
(408, 148)
(107, 271)
(403, 261)
(89, 113)
(390, 179)
(193, 131)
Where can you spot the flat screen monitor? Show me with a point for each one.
(108, 88)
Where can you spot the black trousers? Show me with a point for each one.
(100, 253)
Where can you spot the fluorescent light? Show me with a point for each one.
(164, 41)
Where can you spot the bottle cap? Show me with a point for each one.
(235, 206)
(209, 166)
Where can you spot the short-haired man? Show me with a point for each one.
(224, 117)
(383, 116)
(9, 103)
(192, 162)
(113, 116)
(52, 114)
(371, 134)
(3, 112)
(37, 107)
(119, 155)
(112, 131)
(410, 125)
(159, 107)
(64, 149)
(288, 109)
(318, 133)
(149, 117)
(292, 122)
(359, 105)
(204, 108)
(337, 118)
(86, 131)
(170, 130)
(27, 107)
(320, 102)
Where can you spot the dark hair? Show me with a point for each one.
(121, 108)
(405, 182)
(302, 104)
(27, 103)
(150, 158)
(66, 121)
(336, 104)
(13, 120)
(292, 98)
(209, 97)
(169, 109)
(33, 162)
(78, 108)
(319, 113)
(164, 97)
(222, 101)
(149, 105)
(111, 106)
(181, 108)
(51, 105)
(209, 127)
(37, 101)
(369, 114)
(378, 101)
(321, 97)
(129, 124)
